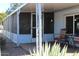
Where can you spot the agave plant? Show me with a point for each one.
(54, 50)
(48, 50)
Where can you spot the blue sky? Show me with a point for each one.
(4, 6)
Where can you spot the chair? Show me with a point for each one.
(62, 38)
(71, 40)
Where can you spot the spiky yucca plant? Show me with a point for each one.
(48, 50)
(54, 50)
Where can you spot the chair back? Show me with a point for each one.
(62, 33)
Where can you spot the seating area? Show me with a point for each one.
(67, 39)
(62, 37)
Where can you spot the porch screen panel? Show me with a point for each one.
(69, 24)
(14, 23)
(6, 24)
(48, 22)
(9, 23)
(25, 23)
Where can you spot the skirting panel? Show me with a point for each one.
(26, 38)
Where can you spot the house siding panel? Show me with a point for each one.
(60, 18)
(14, 23)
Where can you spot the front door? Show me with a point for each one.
(33, 22)
(33, 25)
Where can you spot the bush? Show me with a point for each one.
(55, 50)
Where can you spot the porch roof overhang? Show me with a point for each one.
(14, 11)
(49, 6)
(30, 7)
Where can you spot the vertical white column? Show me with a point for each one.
(8, 28)
(11, 35)
(10, 21)
(18, 12)
(18, 22)
(38, 27)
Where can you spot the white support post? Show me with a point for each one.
(18, 21)
(11, 17)
(10, 24)
(18, 12)
(39, 27)
(74, 25)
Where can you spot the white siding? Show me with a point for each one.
(60, 18)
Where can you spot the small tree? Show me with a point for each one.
(2, 15)
(13, 6)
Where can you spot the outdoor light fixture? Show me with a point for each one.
(74, 19)
(51, 20)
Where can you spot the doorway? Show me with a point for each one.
(33, 25)
(47, 23)
(33, 22)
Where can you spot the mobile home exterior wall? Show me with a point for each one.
(10, 27)
(25, 36)
(60, 18)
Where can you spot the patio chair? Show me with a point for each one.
(62, 38)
